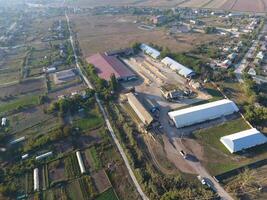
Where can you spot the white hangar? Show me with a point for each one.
(202, 113)
(243, 140)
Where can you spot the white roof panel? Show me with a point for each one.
(181, 69)
(201, 113)
(150, 51)
(243, 140)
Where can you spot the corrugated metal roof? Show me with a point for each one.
(108, 65)
(243, 140)
(201, 113)
(174, 65)
(150, 51)
(139, 109)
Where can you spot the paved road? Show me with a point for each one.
(199, 169)
(138, 187)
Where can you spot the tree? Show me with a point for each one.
(113, 82)
(136, 47)
(43, 99)
(210, 29)
(256, 115)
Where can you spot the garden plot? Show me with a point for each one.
(101, 181)
(27, 119)
(11, 66)
(81, 189)
(72, 169)
(56, 171)
(108, 195)
(89, 138)
(64, 146)
(54, 194)
(18, 103)
(92, 158)
(40, 128)
(24, 87)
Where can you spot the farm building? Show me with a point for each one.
(36, 179)
(202, 113)
(139, 109)
(120, 52)
(243, 140)
(175, 66)
(63, 76)
(80, 161)
(150, 51)
(106, 66)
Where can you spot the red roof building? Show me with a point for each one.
(108, 65)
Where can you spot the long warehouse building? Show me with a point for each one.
(243, 140)
(179, 68)
(154, 53)
(202, 113)
(139, 109)
(106, 66)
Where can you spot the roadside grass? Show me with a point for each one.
(108, 195)
(216, 94)
(21, 102)
(217, 158)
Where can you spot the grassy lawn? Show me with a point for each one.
(108, 195)
(216, 94)
(91, 120)
(217, 158)
(211, 136)
(23, 101)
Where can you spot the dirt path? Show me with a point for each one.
(174, 156)
(154, 148)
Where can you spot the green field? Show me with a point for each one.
(211, 136)
(23, 101)
(108, 195)
(91, 120)
(217, 158)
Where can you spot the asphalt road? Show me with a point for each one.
(137, 186)
(193, 161)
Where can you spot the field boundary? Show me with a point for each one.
(234, 172)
